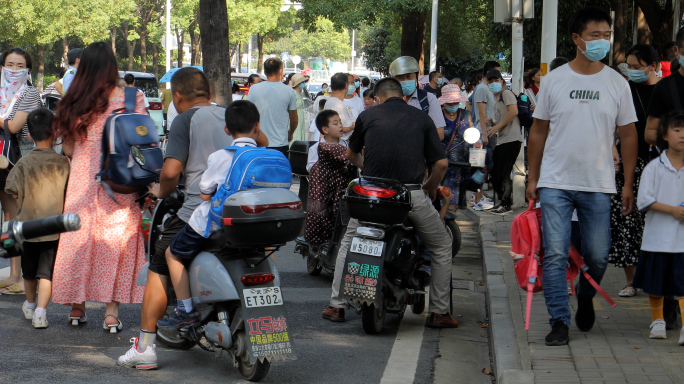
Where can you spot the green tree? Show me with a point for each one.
(282, 28)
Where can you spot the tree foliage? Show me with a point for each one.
(324, 41)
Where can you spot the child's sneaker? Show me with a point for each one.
(28, 312)
(658, 330)
(39, 321)
(477, 207)
(485, 205)
(681, 337)
(179, 319)
(139, 360)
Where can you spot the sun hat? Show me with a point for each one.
(297, 79)
(451, 93)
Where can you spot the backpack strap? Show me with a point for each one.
(130, 97)
(423, 100)
(579, 262)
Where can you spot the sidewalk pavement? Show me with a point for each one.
(616, 350)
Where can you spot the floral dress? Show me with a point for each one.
(301, 132)
(101, 261)
(454, 175)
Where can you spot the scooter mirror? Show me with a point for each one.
(470, 135)
(137, 156)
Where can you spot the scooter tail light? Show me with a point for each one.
(374, 191)
(295, 205)
(375, 233)
(257, 278)
(156, 106)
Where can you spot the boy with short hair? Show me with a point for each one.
(329, 124)
(242, 123)
(38, 182)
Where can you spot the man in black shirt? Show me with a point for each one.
(435, 84)
(400, 143)
(667, 95)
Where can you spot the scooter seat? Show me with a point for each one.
(214, 242)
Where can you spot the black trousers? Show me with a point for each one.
(504, 159)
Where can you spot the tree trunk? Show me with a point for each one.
(644, 34)
(660, 20)
(260, 48)
(620, 31)
(143, 48)
(181, 43)
(194, 44)
(155, 60)
(213, 23)
(239, 59)
(413, 37)
(112, 34)
(65, 49)
(40, 51)
(130, 46)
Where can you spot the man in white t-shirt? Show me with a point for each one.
(352, 100)
(339, 85)
(277, 104)
(571, 164)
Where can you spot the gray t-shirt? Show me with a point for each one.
(510, 132)
(274, 100)
(194, 136)
(483, 95)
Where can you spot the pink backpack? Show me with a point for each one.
(528, 258)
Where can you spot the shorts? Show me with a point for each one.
(187, 243)
(158, 258)
(38, 259)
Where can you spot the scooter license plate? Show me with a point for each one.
(367, 247)
(262, 297)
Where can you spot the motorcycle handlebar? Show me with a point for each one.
(48, 226)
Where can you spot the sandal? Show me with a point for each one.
(13, 289)
(112, 328)
(628, 291)
(5, 284)
(76, 320)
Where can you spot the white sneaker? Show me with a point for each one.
(39, 322)
(658, 330)
(487, 199)
(139, 360)
(28, 312)
(681, 337)
(485, 205)
(477, 207)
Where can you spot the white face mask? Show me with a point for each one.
(12, 84)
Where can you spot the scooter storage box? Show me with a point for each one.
(377, 200)
(262, 217)
(299, 155)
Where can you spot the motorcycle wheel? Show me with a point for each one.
(455, 231)
(313, 267)
(173, 340)
(373, 318)
(252, 372)
(419, 306)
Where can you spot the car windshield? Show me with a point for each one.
(315, 88)
(148, 86)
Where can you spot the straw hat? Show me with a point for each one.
(451, 93)
(297, 79)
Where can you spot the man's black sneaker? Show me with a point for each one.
(584, 317)
(558, 335)
(501, 210)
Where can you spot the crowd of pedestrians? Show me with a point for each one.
(606, 150)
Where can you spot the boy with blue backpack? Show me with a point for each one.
(225, 166)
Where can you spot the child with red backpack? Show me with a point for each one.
(661, 192)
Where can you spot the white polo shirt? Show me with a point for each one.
(662, 183)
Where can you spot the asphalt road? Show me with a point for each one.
(327, 352)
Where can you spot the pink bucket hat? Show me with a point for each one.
(451, 93)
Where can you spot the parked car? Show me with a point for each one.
(241, 80)
(147, 83)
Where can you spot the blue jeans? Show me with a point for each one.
(593, 211)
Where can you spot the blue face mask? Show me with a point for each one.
(495, 87)
(451, 109)
(302, 85)
(462, 105)
(440, 81)
(637, 75)
(408, 87)
(351, 89)
(681, 61)
(357, 84)
(659, 73)
(596, 49)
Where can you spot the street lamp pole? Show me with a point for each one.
(433, 36)
(549, 34)
(168, 35)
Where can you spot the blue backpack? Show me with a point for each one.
(524, 110)
(131, 156)
(251, 168)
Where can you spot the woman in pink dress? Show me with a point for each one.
(101, 261)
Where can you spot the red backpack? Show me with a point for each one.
(528, 258)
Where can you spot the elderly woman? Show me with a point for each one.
(456, 119)
(19, 98)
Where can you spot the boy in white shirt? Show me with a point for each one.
(330, 126)
(242, 122)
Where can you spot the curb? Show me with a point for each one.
(504, 347)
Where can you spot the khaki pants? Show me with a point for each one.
(431, 231)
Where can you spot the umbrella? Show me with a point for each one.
(167, 76)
